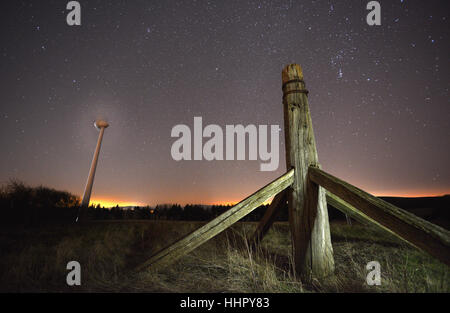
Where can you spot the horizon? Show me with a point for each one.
(112, 203)
(109, 202)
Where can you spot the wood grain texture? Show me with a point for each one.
(269, 217)
(185, 245)
(427, 236)
(308, 215)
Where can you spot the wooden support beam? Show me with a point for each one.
(269, 217)
(308, 215)
(351, 212)
(217, 225)
(429, 237)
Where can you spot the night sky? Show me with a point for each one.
(379, 96)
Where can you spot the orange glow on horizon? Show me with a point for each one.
(110, 202)
(224, 202)
(409, 194)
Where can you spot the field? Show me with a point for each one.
(34, 260)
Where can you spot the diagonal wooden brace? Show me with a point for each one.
(217, 225)
(269, 217)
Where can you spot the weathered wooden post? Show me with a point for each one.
(308, 214)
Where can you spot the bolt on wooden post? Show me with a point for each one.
(308, 214)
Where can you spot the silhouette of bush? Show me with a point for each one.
(22, 204)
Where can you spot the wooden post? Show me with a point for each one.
(308, 215)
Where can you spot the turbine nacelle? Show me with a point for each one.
(99, 124)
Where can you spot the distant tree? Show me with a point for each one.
(216, 210)
(195, 213)
(175, 212)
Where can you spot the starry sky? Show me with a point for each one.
(379, 96)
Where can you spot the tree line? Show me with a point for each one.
(26, 205)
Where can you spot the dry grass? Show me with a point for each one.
(35, 260)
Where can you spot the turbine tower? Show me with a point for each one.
(101, 125)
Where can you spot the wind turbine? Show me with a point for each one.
(101, 125)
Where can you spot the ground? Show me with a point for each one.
(35, 260)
